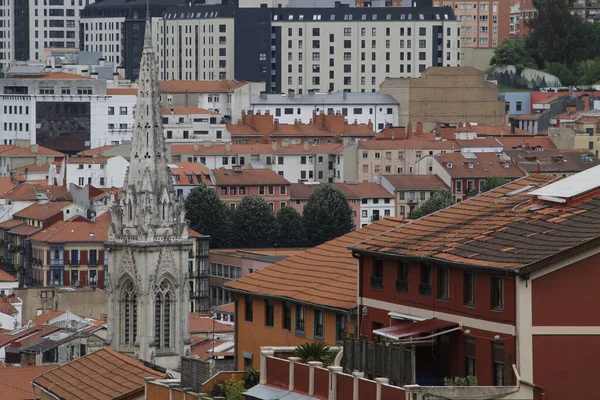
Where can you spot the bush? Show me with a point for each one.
(314, 352)
(458, 381)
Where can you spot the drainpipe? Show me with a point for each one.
(359, 313)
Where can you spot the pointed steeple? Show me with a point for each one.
(150, 208)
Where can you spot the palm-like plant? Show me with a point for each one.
(313, 352)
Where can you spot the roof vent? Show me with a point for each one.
(449, 164)
(470, 165)
(506, 164)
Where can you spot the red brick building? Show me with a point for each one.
(233, 185)
(506, 277)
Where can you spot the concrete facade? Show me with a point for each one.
(450, 95)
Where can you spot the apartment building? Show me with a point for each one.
(484, 23)
(30, 30)
(377, 109)
(410, 191)
(63, 111)
(100, 171)
(226, 97)
(377, 157)
(294, 162)
(233, 184)
(193, 124)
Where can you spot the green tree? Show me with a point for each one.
(254, 223)
(513, 52)
(234, 389)
(439, 200)
(562, 72)
(290, 229)
(313, 352)
(493, 182)
(208, 215)
(326, 215)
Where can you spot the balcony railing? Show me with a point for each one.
(401, 286)
(57, 261)
(425, 289)
(377, 282)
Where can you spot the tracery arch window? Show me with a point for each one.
(128, 313)
(163, 315)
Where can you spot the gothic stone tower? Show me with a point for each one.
(148, 290)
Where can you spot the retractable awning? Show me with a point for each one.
(432, 326)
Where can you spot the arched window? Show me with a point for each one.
(128, 314)
(130, 210)
(162, 315)
(163, 210)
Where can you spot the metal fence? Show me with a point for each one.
(378, 360)
(194, 373)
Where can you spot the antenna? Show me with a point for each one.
(148, 10)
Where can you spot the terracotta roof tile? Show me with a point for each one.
(200, 86)
(15, 151)
(225, 308)
(88, 160)
(204, 349)
(29, 191)
(325, 275)
(16, 382)
(186, 110)
(408, 144)
(47, 316)
(27, 334)
(42, 210)
(360, 190)
(416, 182)
(6, 307)
(104, 374)
(505, 130)
(242, 130)
(80, 231)
(25, 230)
(6, 184)
(483, 166)
(62, 75)
(184, 170)
(11, 223)
(33, 168)
(530, 142)
(6, 277)
(203, 323)
(496, 229)
(480, 142)
(95, 151)
(193, 233)
(553, 161)
(248, 177)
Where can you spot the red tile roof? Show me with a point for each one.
(530, 142)
(6, 307)
(11, 150)
(248, 177)
(185, 110)
(28, 191)
(76, 231)
(104, 374)
(42, 210)
(16, 382)
(200, 86)
(483, 166)
(416, 182)
(242, 130)
(203, 324)
(33, 168)
(25, 230)
(554, 161)
(27, 335)
(95, 151)
(122, 92)
(62, 75)
(11, 223)
(325, 275)
(47, 316)
(6, 184)
(6, 277)
(184, 170)
(88, 160)
(193, 233)
(225, 308)
(502, 228)
(407, 144)
(204, 349)
(480, 142)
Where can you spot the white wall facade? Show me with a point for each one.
(181, 128)
(12, 322)
(104, 35)
(372, 210)
(102, 175)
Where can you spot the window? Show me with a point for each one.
(316, 32)
(122, 110)
(422, 31)
(469, 288)
(74, 257)
(499, 364)
(128, 306)
(347, 31)
(497, 293)
(377, 276)
(162, 314)
(287, 316)
(442, 284)
(425, 283)
(300, 318)
(319, 324)
(402, 279)
(519, 106)
(470, 357)
(93, 257)
(111, 111)
(269, 313)
(249, 309)
(347, 44)
(340, 327)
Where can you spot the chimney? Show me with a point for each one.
(419, 128)
(276, 124)
(408, 131)
(571, 108)
(345, 95)
(263, 95)
(172, 111)
(115, 79)
(274, 145)
(35, 148)
(370, 124)
(305, 145)
(586, 102)
(228, 147)
(101, 62)
(513, 129)
(196, 147)
(291, 93)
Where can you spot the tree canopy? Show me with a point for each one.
(439, 200)
(326, 215)
(208, 215)
(493, 182)
(290, 229)
(253, 223)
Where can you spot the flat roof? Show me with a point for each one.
(324, 99)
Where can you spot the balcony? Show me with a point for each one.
(57, 262)
(401, 286)
(413, 201)
(377, 283)
(425, 289)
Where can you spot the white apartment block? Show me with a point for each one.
(379, 109)
(196, 45)
(54, 24)
(193, 124)
(100, 172)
